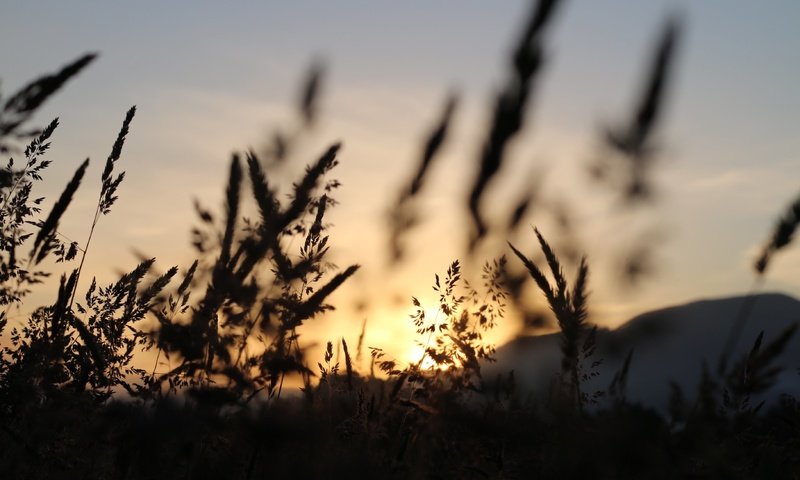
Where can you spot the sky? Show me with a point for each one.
(210, 79)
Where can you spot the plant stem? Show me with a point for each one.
(742, 315)
(86, 249)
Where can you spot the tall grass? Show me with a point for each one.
(73, 403)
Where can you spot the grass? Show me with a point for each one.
(73, 405)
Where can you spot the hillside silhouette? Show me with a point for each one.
(671, 347)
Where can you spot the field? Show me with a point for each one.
(246, 397)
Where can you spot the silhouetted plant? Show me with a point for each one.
(17, 211)
(634, 142)
(509, 110)
(781, 237)
(55, 350)
(256, 290)
(569, 307)
(617, 389)
(283, 139)
(20, 106)
(230, 329)
(452, 342)
(403, 215)
(755, 373)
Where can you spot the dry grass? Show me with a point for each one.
(72, 405)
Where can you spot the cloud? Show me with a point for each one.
(725, 180)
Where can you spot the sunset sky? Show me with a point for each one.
(210, 79)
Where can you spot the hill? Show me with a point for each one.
(669, 345)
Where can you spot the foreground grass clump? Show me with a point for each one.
(74, 405)
(359, 432)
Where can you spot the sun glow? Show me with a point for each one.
(417, 354)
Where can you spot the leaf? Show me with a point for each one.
(41, 244)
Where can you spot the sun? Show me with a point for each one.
(417, 353)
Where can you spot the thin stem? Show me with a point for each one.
(247, 331)
(18, 180)
(280, 386)
(742, 315)
(428, 341)
(14, 187)
(155, 365)
(424, 354)
(86, 249)
(39, 223)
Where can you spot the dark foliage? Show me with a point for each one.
(509, 110)
(20, 106)
(403, 215)
(73, 404)
(635, 141)
(781, 236)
